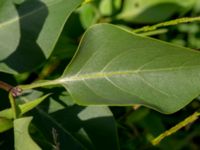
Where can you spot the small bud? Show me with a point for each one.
(16, 91)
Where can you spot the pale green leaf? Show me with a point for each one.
(9, 28)
(8, 113)
(115, 67)
(40, 21)
(23, 140)
(109, 7)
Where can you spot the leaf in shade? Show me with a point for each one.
(80, 127)
(41, 22)
(9, 29)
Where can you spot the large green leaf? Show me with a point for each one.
(115, 67)
(41, 22)
(23, 140)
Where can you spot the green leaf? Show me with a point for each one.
(142, 11)
(88, 15)
(8, 113)
(41, 23)
(120, 68)
(9, 29)
(5, 124)
(109, 7)
(80, 127)
(23, 141)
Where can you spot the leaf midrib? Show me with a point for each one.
(99, 75)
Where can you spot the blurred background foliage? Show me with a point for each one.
(136, 126)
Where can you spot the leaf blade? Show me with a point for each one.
(8, 113)
(120, 68)
(5, 124)
(23, 141)
(8, 32)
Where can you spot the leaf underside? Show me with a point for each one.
(115, 67)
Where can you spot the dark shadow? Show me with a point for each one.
(97, 129)
(28, 54)
(71, 129)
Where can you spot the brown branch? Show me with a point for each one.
(16, 91)
(5, 86)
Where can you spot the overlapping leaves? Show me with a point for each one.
(29, 30)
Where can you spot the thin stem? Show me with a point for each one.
(14, 107)
(15, 91)
(155, 32)
(5, 86)
(55, 139)
(39, 84)
(177, 127)
(167, 23)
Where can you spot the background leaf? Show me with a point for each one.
(23, 140)
(120, 68)
(142, 11)
(5, 124)
(9, 28)
(109, 7)
(41, 22)
(8, 113)
(75, 127)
